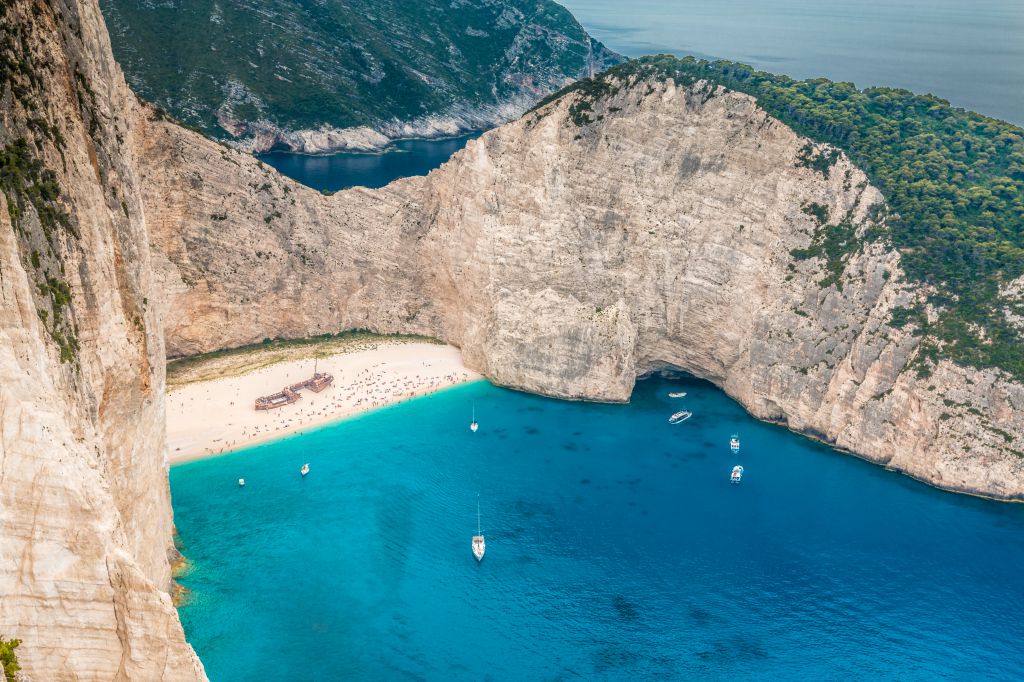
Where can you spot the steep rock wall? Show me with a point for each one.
(85, 515)
(564, 253)
(565, 257)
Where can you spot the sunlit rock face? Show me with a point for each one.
(85, 513)
(564, 254)
(567, 257)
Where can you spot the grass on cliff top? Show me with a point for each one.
(233, 362)
(953, 181)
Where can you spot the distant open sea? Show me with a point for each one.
(616, 549)
(970, 52)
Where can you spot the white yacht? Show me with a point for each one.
(680, 394)
(680, 417)
(479, 546)
(734, 443)
(737, 474)
(473, 426)
(241, 483)
(305, 469)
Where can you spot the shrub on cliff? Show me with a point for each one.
(9, 659)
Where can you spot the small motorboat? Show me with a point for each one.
(681, 394)
(479, 546)
(737, 474)
(734, 443)
(473, 426)
(679, 417)
(241, 483)
(305, 469)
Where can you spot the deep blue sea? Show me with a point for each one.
(616, 549)
(331, 172)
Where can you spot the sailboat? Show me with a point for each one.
(305, 469)
(479, 546)
(473, 426)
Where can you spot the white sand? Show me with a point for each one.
(210, 417)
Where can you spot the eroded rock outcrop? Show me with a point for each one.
(85, 514)
(567, 257)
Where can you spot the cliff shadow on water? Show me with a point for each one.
(330, 173)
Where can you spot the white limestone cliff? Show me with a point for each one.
(561, 259)
(567, 260)
(85, 514)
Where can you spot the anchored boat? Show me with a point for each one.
(681, 394)
(479, 546)
(734, 443)
(737, 474)
(680, 417)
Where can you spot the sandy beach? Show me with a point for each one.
(209, 416)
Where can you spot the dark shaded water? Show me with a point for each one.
(332, 172)
(970, 52)
(616, 549)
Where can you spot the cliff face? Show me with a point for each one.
(85, 515)
(566, 259)
(565, 253)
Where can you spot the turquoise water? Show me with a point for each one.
(969, 52)
(331, 172)
(616, 549)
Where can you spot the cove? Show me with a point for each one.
(616, 549)
(333, 172)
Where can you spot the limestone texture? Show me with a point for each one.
(85, 513)
(568, 259)
(563, 255)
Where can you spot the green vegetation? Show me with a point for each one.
(28, 184)
(953, 181)
(820, 160)
(26, 181)
(343, 63)
(8, 658)
(834, 243)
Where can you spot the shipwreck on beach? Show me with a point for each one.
(290, 394)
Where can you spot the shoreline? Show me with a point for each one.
(389, 148)
(214, 413)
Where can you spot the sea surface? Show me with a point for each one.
(970, 52)
(616, 549)
(332, 172)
